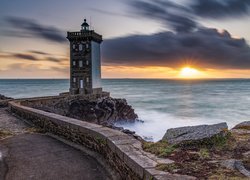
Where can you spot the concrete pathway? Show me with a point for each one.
(34, 156)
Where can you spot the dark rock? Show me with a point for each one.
(191, 133)
(126, 131)
(2, 97)
(243, 125)
(4, 101)
(234, 164)
(136, 136)
(105, 111)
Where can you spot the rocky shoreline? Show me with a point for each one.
(204, 151)
(104, 111)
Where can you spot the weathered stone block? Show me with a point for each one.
(191, 133)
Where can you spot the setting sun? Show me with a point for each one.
(188, 72)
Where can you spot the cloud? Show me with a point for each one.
(33, 55)
(38, 52)
(189, 42)
(34, 29)
(220, 8)
(183, 18)
(170, 14)
(205, 47)
(24, 56)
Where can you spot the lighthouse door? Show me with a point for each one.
(81, 83)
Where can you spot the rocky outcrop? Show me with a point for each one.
(2, 97)
(234, 164)
(194, 133)
(243, 125)
(4, 100)
(104, 111)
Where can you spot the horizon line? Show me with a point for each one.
(185, 79)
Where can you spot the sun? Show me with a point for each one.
(188, 72)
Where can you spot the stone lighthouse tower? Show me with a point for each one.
(85, 61)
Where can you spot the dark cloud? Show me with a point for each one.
(38, 52)
(183, 18)
(170, 14)
(189, 42)
(34, 56)
(24, 56)
(220, 8)
(205, 47)
(34, 29)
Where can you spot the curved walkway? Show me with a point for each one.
(37, 156)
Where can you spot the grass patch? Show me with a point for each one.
(161, 148)
(226, 174)
(167, 167)
(204, 153)
(244, 127)
(34, 130)
(5, 133)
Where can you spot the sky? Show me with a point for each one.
(142, 38)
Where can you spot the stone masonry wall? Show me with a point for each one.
(40, 101)
(123, 152)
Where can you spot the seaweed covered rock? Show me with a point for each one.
(104, 111)
(195, 133)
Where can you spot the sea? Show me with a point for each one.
(160, 103)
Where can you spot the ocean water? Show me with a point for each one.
(161, 104)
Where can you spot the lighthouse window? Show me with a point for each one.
(80, 64)
(80, 47)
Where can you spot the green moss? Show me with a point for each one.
(100, 141)
(34, 130)
(219, 141)
(204, 153)
(167, 167)
(161, 148)
(223, 174)
(5, 133)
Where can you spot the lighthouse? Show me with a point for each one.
(85, 61)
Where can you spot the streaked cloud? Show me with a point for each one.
(33, 55)
(220, 9)
(35, 29)
(23, 56)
